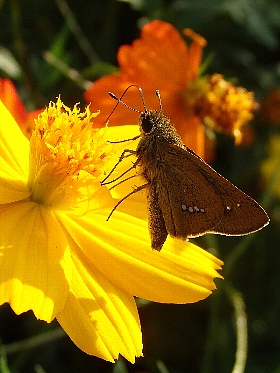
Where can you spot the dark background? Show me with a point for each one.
(243, 39)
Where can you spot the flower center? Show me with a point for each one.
(66, 154)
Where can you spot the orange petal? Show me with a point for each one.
(98, 95)
(99, 98)
(13, 103)
(195, 52)
(192, 132)
(157, 60)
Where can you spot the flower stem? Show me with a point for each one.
(3, 362)
(213, 326)
(237, 253)
(241, 329)
(32, 342)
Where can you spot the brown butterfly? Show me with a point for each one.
(186, 197)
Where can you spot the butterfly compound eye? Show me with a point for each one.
(146, 123)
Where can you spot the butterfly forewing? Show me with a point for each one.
(242, 214)
(188, 211)
(226, 209)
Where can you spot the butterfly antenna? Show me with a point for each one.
(142, 97)
(159, 98)
(120, 101)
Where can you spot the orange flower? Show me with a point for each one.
(162, 60)
(12, 101)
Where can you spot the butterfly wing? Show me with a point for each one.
(242, 214)
(180, 201)
(190, 199)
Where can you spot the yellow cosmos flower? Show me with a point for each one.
(59, 256)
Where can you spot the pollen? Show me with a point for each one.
(64, 147)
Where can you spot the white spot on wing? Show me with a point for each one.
(191, 208)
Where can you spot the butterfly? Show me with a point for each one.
(186, 197)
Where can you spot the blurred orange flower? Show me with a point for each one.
(12, 101)
(161, 59)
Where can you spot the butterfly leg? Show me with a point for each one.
(125, 197)
(123, 155)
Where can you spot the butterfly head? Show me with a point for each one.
(150, 120)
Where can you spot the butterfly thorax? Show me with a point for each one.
(157, 133)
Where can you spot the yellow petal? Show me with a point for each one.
(121, 133)
(34, 260)
(136, 202)
(101, 319)
(120, 249)
(120, 136)
(14, 159)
